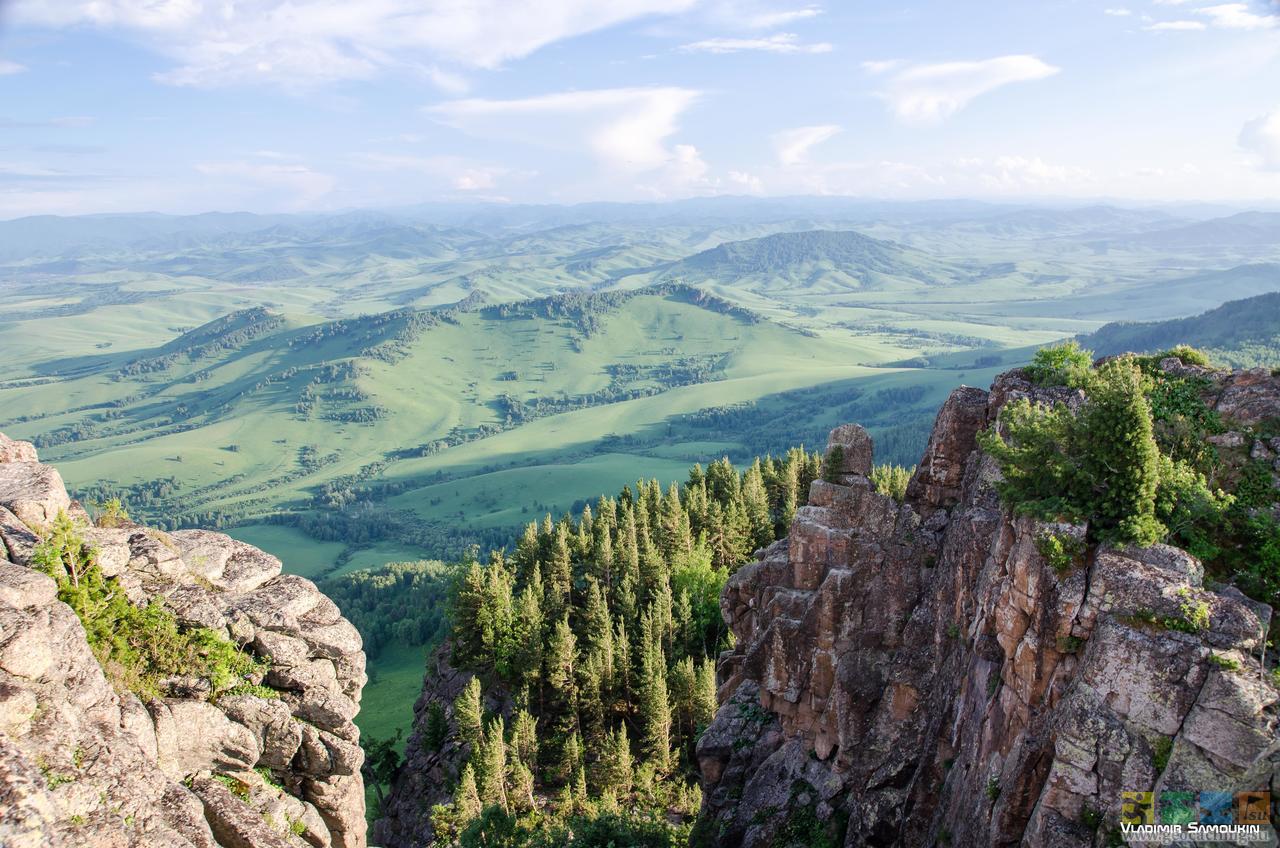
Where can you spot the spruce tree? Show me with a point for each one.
(524, 739)
(1119, 459)
(614, 768)
(491, 771)
(654, 708)
(466, 798)
(467, 711)
(755, 502)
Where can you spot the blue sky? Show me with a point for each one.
(291, 105)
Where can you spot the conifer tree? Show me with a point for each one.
(491, 771)
(467, 712)
(466, 798)
(1119, 469)
(704, 694)
(614, 768)
(524, 739)
(755, 502)
(654, 708)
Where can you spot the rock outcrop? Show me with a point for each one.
(919, 671)
(428, 775)
(86, 764)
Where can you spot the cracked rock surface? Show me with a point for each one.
(919, 669)
(82, 764)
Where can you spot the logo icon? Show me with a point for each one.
(1138, 808)
(1253, 808)
(1177, 807)
(1215, 807)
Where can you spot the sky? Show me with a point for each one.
(309, 105)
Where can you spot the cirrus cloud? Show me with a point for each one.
(625, 128)
(933, 92)
(783, 42)
(792, 146)
(306, 42)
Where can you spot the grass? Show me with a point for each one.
(395, 681)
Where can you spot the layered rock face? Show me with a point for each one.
(919, 670)
(82, 764)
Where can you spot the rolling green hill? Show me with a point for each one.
(822, 260)
(457, 422)
(1241, 333)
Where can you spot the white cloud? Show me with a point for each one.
(783, 42)
(753, 14)
(1237, 16)
(7, 67)
(625, 128)
(932, 93)
(305, 42)
(792, 146)
(1175, 26)
(1261, 137)
(1117, 13)
(747, 182)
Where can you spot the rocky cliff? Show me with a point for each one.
(85, 762)
(919, 674)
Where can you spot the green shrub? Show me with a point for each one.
(1035, 458)
(1225, 663)
(1061, 552)
(1193, 614)
(1102, 465)
(138, 647)
(891, 480)
(1188, 355)
(993, 788)
(1065, 364)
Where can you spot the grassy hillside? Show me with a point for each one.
(423, 431)
(1241, 333)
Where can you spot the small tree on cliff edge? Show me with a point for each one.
(1102, 466)
(1119, 461)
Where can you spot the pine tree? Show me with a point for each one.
(468, 615)
(614, 768)
(704, 694)
(675, 533)
(559, 577)
(528, 552)
(522, 786)
(491, 771)
(755, 501)
(466, 798)
(437, 728)
(654, 708)
(467, 712)
(524, 739)
(1119, 467)
(527, 633)
(562, 696)
(681, 682)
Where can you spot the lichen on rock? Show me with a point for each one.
(84, 762)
